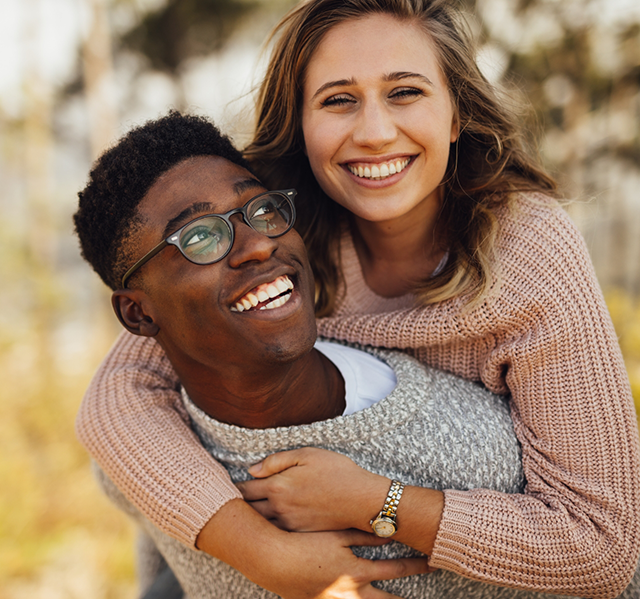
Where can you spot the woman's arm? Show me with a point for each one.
(133, 424)
(297, 565)
(546, 337)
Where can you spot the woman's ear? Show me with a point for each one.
(128, 308)
(455, 127)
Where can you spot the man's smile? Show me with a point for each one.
(266, 296)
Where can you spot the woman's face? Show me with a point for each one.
(378, 119)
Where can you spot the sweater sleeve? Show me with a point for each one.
(549, 341)
(134, 425)
(577, 527)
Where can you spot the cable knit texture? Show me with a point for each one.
(545, 336)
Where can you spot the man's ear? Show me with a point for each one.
(128, 308)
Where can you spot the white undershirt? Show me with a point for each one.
(367, 379)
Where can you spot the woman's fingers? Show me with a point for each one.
(253, 490)
(385, 569)
(388, 569)
(354, 537)
(264, 509)
(370, 592)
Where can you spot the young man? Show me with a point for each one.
(203, 259)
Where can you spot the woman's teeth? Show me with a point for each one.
(265, 292)
(379, 171)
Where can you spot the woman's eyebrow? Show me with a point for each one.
(396, 76)
(399, 75)
(330, 84)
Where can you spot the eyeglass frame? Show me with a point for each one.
(174, 238)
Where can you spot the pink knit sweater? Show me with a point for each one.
(545, 337)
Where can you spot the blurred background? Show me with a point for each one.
(75, 74)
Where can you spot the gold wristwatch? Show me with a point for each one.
(384, 524)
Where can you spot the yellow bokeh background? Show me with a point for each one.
(575, 63)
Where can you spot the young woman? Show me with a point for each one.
(430, 229)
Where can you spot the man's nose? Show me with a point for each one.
(374, 127)
(249, 245)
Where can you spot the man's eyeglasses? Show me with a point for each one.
(209, 238)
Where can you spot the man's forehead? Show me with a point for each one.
(197, 185)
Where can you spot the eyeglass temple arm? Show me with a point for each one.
(142, 261)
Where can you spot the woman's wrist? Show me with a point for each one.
(418, 518)
(365, 501)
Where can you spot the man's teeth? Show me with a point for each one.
(263, 293)
(379, 171)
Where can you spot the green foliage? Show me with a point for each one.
(182, 29)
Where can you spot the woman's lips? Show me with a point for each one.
(378, 171)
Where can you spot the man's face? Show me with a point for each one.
(196, 307)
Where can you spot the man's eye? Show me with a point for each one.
(264, 212)
(200, 236)
(202, 240)
(196, 237)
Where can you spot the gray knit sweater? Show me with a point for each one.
(434, 430)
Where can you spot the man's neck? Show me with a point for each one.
(304, 391)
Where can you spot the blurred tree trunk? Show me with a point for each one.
(98, 76)
(40, 235)
(99, 86)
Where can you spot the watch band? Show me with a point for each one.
(384, 525)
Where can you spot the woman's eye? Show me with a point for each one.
(405, 93)
(338, 100)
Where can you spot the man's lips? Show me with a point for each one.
(379, 170)
(266, 296)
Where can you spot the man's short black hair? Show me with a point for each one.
(107, 210)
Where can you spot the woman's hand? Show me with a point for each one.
(316, 565)
(314, 489)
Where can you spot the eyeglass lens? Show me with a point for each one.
(207, 239)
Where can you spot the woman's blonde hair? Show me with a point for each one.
(487, 163)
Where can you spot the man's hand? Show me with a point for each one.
(314, 489)
(299, 565)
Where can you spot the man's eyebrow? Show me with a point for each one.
(399, 75)
(330, 84)
(247, 184)
(198, 208)
(186, 214)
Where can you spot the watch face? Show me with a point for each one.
(384, 528)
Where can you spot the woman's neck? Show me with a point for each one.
(395, 255)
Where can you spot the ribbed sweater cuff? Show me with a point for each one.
(186, 526)
(456, 528)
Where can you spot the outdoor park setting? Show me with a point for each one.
(77, 74)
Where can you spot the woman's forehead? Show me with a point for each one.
(374, 44)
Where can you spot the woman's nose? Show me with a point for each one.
(249, 245)
(375, 127)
